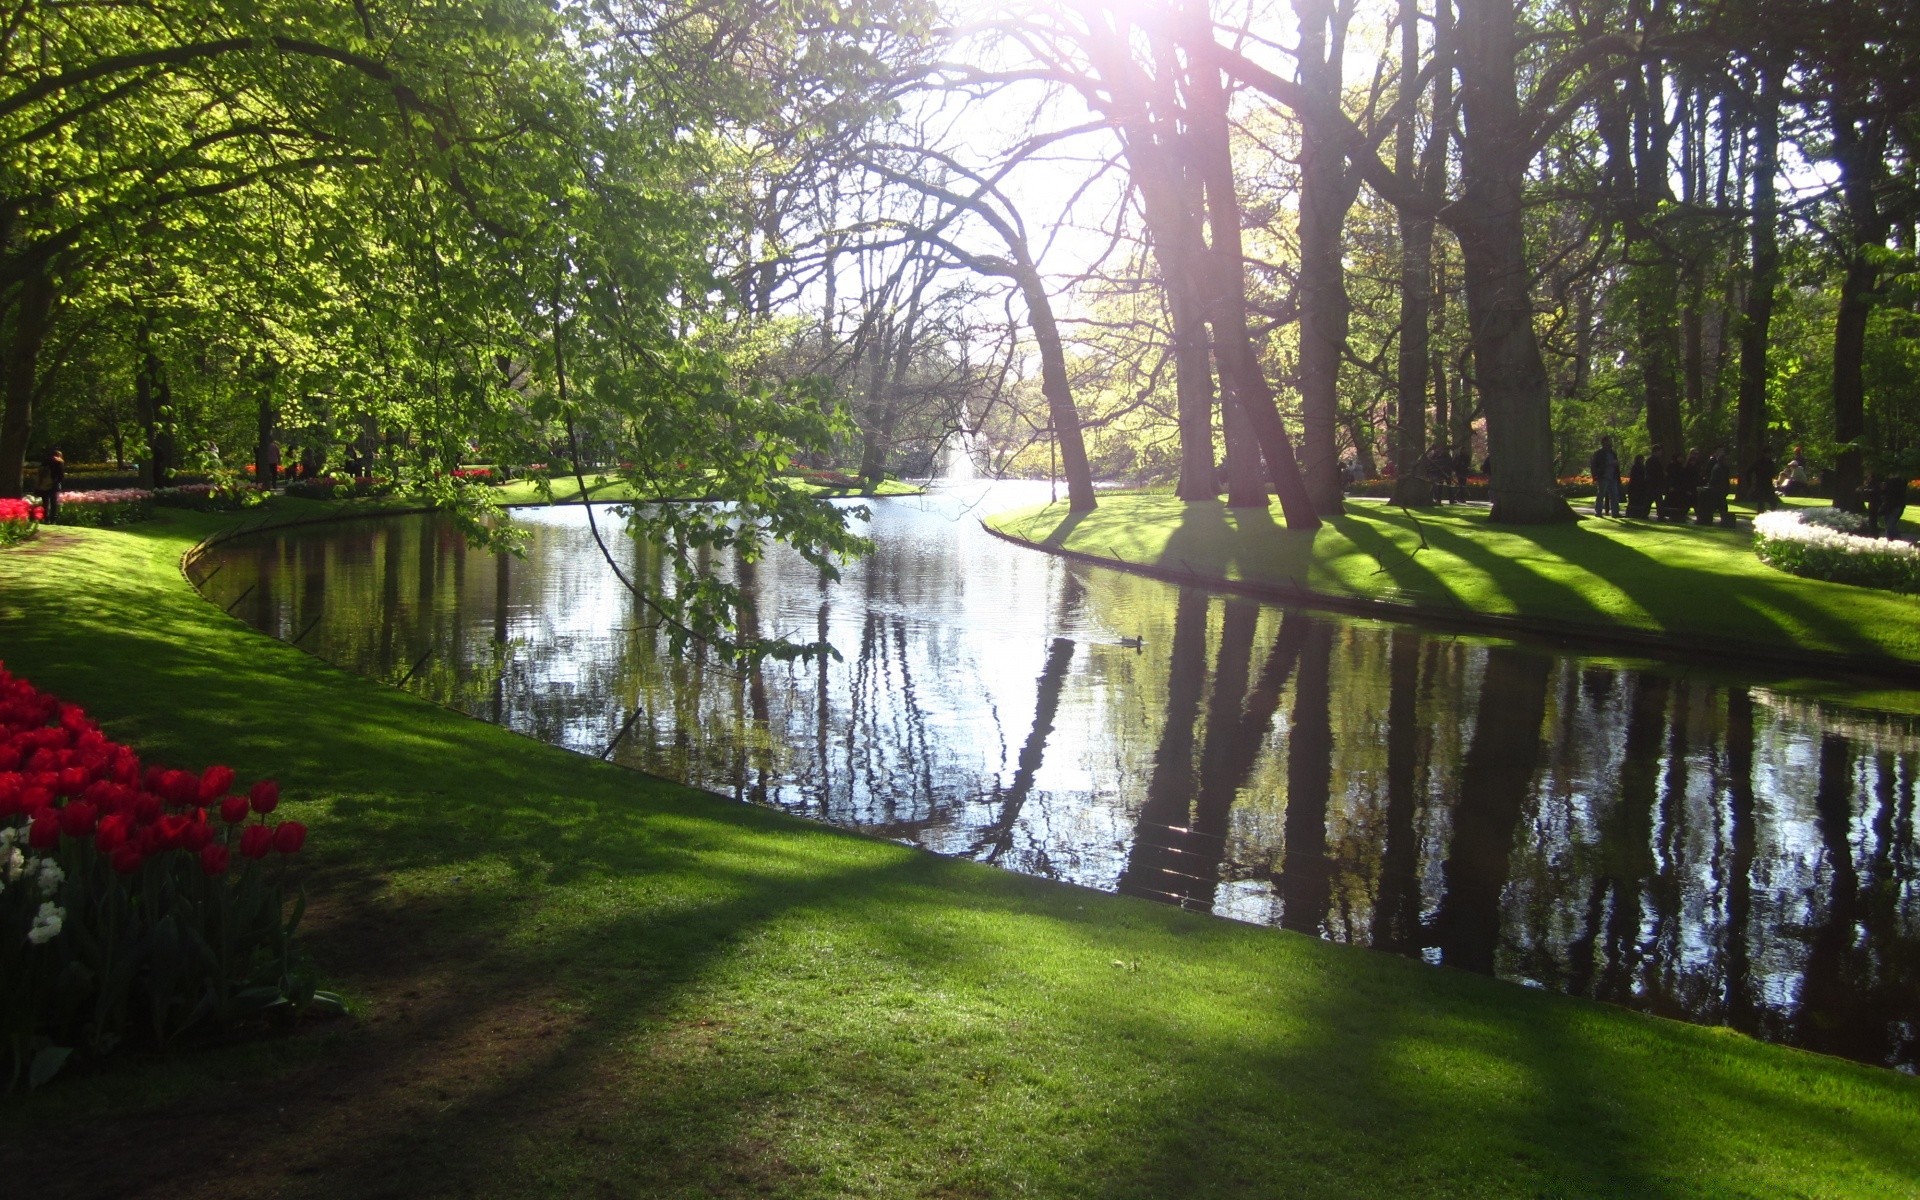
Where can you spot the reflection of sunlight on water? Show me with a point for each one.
(985, 706)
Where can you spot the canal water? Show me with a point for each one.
(1679, 841)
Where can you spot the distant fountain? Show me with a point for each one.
(956, 452)
(956, 459)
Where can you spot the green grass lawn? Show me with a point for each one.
(566, 490)
(572, 979)
(1696, 584)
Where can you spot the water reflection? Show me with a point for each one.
(1687, 845)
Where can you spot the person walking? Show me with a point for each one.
(1656, 483)
(53, 477)
(1604, 466)
(1712, 499)
(1893, 500)
(1683, 480)
(1637, 502)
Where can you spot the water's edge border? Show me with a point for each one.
(1573, 636)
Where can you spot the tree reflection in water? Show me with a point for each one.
(1681, 843)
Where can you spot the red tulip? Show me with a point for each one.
(233, 809)
(198, 833)
(127, 859)
(112, 833)
(44, 834)
(76, 819)
(73, 781)
(214, 782)
(289, 836)
(265, 796)
(214, 859)
(146, 808)
(172, 829)
(183, 787)
(255, 841)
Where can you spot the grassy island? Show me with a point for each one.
(1685, 586)
(568, 978)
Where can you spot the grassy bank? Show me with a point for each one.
(573, 979)
(1694, 584)
(599, 487)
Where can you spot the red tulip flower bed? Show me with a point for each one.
(17, 520)
(136, 902)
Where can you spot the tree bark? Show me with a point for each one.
(1861, 154)
(1757, 318)
(32, 308)
(1326, 193)
(1058, 390)
(153, 408)
(1192, 385)
(1508, 369)
(1241, 375)
(1416, 260)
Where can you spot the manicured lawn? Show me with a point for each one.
(571, 979)
(1694, 583)
(566, 490)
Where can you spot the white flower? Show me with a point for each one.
(46, 923)
(51, 877)
(12, 864)
(1800, 525)
(1831, 518)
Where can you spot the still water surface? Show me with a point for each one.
(1681, 842)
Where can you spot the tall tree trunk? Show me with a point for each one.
(1192, 385)
(1756, 320)
(32, 308)
(872, 452)
(264, 461)
(1225, 266)
(1508, 369)
(1246, 487)
(1416, 278)
(1326, 192)
(1657, 348)
(1442, 408)
(1861, 154)
(153, 408)
(1058, 390)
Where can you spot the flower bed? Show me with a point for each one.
(473, 475)
(19, 519)
(136, 902)
(99, 509)
(335, 487)
(203, 497)
(1382, 488)
(1825, 543)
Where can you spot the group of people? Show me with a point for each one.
(1671, 487)
(1447, 470)
(1657, 485)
